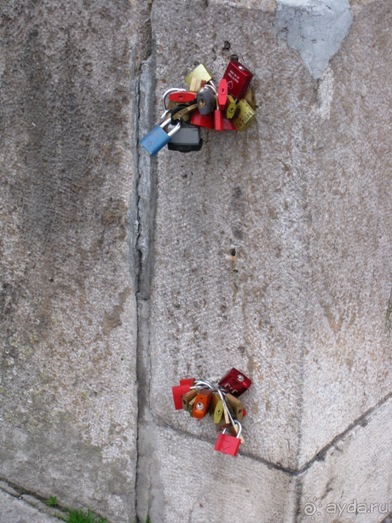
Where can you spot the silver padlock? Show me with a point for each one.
(186, 140)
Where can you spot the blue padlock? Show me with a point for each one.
(157, 138)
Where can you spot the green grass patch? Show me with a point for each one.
(51, 501)
(81, 516)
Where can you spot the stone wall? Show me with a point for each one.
(268, 250)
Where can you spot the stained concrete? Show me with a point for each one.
(314, 28)
(267, 250)
(68, 309)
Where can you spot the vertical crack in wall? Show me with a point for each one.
(144, 204)
(146, 213)
(388, 316)
(298, 488)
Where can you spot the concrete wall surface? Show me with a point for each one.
(68, 308)
(268, 250)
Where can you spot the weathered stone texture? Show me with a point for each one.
(314, 28)
(68, 321)
(13, 510)
(230, 251)
(272, 247)
(268, 250)
(190, 484)
(353, 480)
(348, 358)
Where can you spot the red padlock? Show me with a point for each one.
(228, 125)
(218, 120)
(202, 120)
(181, 97)
(238, 79)
(235, 382)
(222, 94)
(179, 390)
(221, 123)
(229, 444)
(188, 381)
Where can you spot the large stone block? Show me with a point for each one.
(67, 295)
(190, 482)
(272, 247)
(185, 480)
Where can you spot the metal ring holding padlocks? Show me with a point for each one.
(204, 383)
(211, 86)
(212, 83)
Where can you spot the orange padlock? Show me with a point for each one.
(202, 403)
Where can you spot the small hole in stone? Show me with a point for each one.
(233, 252)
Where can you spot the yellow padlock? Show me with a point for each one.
(216, 408)
(200, 73)
(244, 115)
(196, 85)
(231, 107)
(250, 98)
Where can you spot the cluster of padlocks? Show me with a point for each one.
(226, 107)
(220, 400)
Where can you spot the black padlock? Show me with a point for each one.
(186, 140)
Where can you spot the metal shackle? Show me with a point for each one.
(166, 122)
(204, 384)
(172, 90)
(238, 435)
